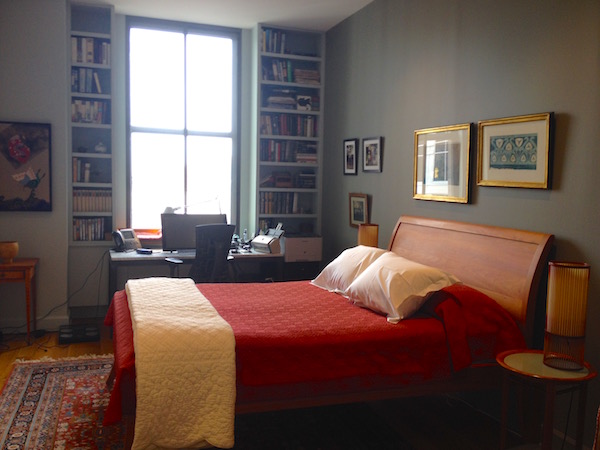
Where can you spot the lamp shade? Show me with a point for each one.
(566, 315)
(368, 234)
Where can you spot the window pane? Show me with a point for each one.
(156, 85)
(209, 83)
(209, 175)
(157, 179)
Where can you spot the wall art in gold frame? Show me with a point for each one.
(515, 151)
(441, 163)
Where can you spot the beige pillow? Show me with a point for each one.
(342, 271)
(396, 286)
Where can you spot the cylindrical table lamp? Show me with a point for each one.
(566, 315)
(368, 234)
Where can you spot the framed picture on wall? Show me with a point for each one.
(441, 163)
(359, 209)
(350, 152)
(515, 151)
(372, 154)
(25, 167)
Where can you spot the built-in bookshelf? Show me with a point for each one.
(290, 129)
(91, 83)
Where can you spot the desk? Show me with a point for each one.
(22, 270)
(157, 257)
(528, 365)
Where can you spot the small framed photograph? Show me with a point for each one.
(25, 183)
(359, 209)
(372, 154)
(515, 151)
(350, 152)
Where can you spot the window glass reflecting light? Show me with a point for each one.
(209, 175)
(181, 95)
(157, 176)
(156, 79)
(209, 83)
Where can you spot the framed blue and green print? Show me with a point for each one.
(515, 151)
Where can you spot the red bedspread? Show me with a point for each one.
(295, 334)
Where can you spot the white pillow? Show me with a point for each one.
(396, 286)
(342, 271)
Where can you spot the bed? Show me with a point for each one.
(299, 345)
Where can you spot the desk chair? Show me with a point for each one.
(212, 252)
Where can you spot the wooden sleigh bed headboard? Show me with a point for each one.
(506, 264)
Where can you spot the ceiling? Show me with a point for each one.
(319, 15)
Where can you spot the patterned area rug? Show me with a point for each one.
(60, 405)
(57, 405)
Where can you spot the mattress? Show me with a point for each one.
(293, 339)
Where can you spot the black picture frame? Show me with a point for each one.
(350, 153)
(372, 154)
(25, 166)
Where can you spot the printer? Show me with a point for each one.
(268, 243)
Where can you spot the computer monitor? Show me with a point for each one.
(179, 230)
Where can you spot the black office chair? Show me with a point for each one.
(212, 253)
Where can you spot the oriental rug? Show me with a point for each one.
(59, 404)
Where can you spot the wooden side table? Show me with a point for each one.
(528, 365)
(22, 270)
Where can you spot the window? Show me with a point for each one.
(182, 124)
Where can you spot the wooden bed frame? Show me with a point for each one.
(508, 265)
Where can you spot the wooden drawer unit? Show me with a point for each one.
(299, 249)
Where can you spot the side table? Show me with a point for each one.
(22, 270)
(528, 365)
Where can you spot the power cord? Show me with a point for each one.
(66, 302)
(567, 424)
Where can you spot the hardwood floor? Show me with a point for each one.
(14, 347)
(430, 423)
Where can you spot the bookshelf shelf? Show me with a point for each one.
(91, 131)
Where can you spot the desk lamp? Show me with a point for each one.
(368, 234)
(566, 314)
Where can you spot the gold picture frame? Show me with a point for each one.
(441, 163)
(515, 151)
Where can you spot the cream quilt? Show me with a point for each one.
(185, 367)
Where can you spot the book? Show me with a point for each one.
(97, 82)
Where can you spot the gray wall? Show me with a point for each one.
(401, 65)
(33, 88)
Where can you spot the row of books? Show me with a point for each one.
(89, 50)
(307, 76)
(273, 150)
(281, 203)
(90, 111)
(288, 125)
(86, 172)
(305, 180)
(88, 229)
(92, 200)
(302, 180)
(273, 41)
(85, 80)
(284, 71)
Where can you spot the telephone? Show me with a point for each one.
(125, 239)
